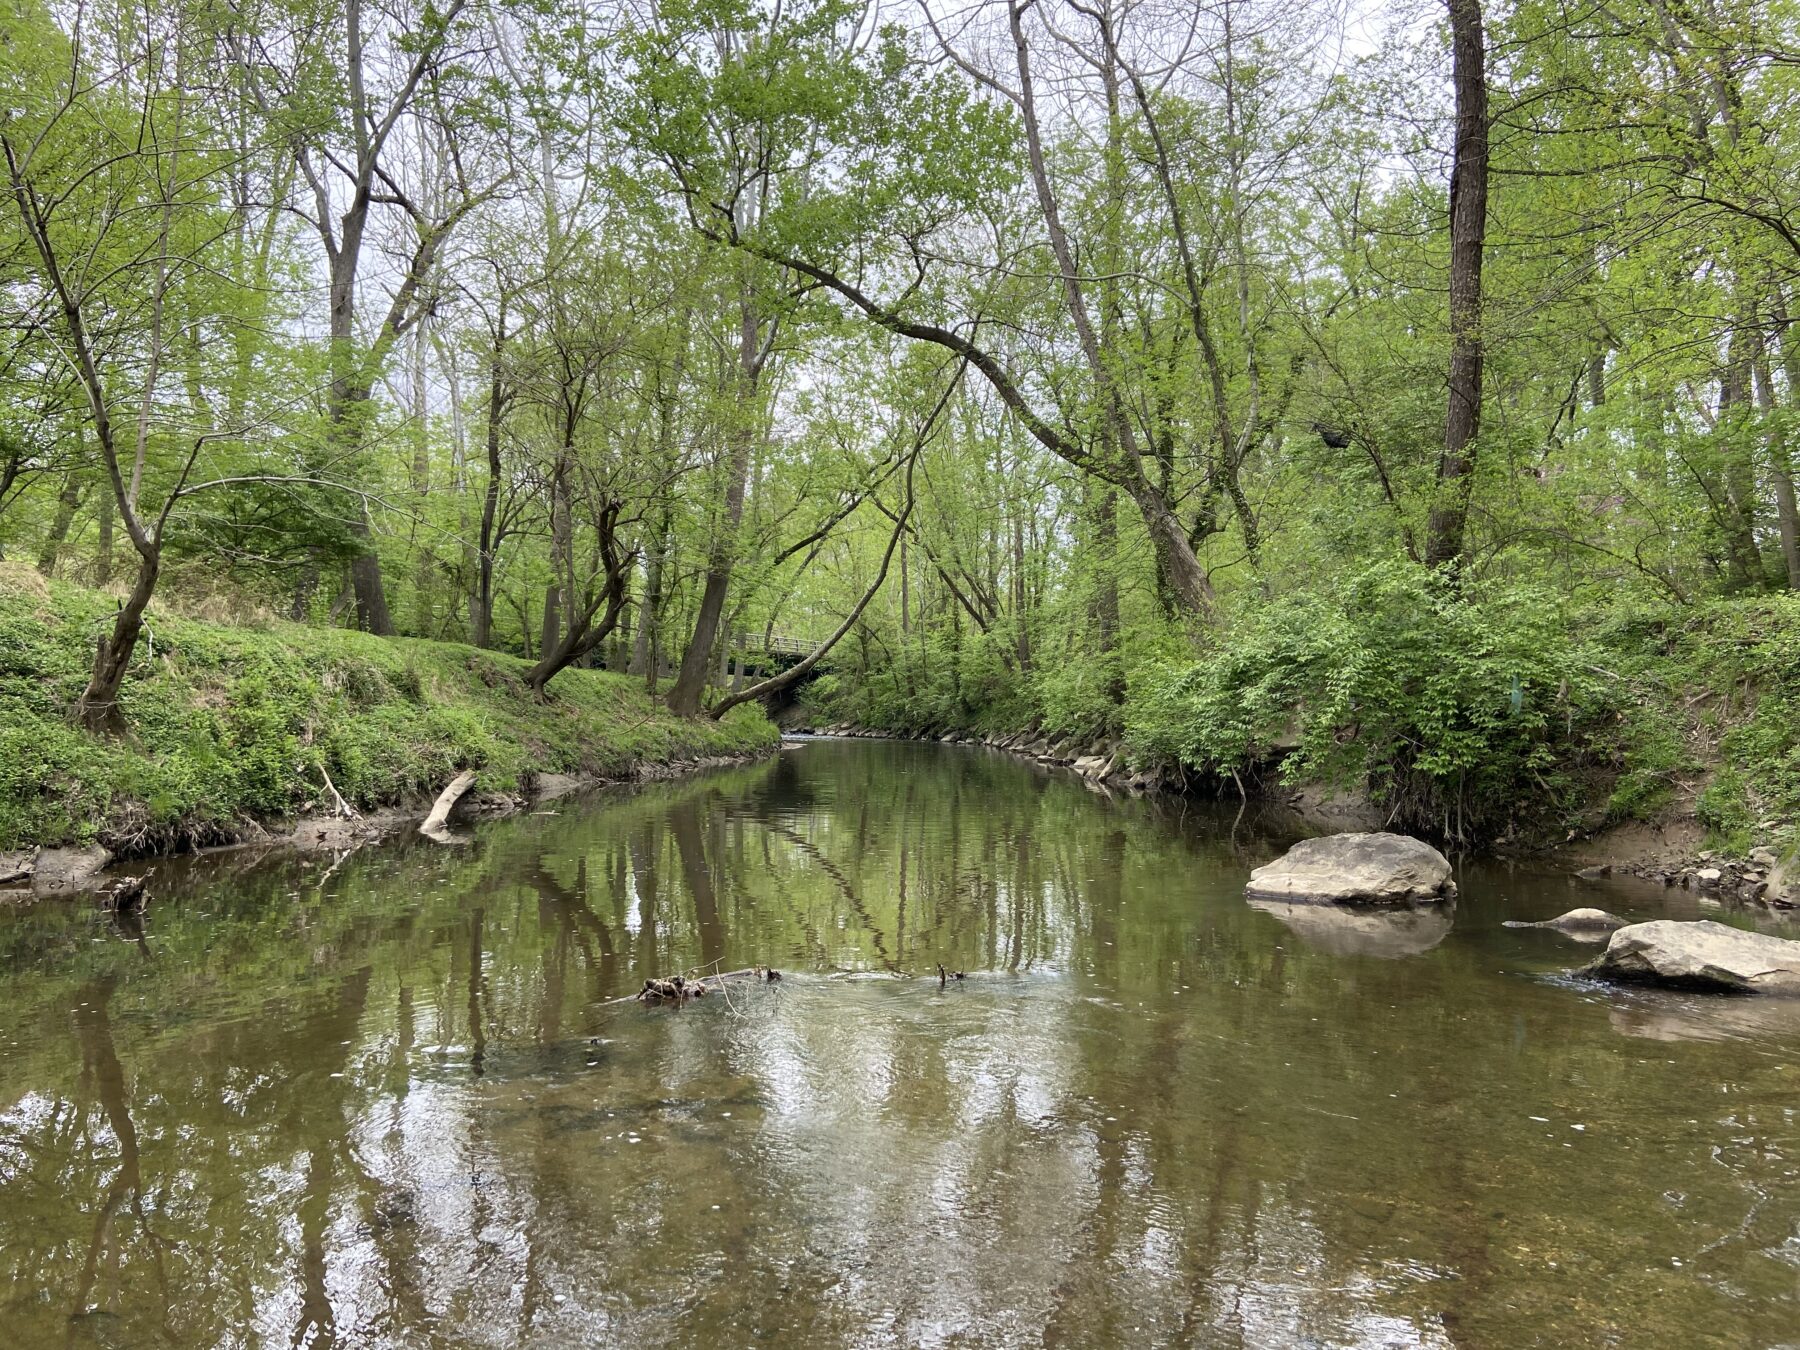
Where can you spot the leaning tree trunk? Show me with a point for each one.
(581, 635)
(576, 642)
(1445, 544)
(98, 708)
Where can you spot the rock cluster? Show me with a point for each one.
(1760, 877)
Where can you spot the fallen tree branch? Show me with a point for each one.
(447, 800)
(799, 670)
(342, 807)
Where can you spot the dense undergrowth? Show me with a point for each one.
(1497, 711)
(233, 724)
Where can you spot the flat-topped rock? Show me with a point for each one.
(67, 870)
(1700, 955)
(1356, 869)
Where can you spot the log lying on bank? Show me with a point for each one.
(446, 802)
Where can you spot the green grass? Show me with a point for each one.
(230, 725)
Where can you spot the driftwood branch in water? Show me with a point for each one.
(679, 988)
(447, 799)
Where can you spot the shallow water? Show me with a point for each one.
(394, 1099)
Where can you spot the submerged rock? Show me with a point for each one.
(1700, 955)
(1368, 869)
(1388, 933)
(1587, 924)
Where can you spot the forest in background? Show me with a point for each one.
(1395, 396)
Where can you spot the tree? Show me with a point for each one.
(341, 84)
(113, 172)
(1468, 234)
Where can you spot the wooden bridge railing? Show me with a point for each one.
(774, 645)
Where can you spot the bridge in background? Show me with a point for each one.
(760, 657)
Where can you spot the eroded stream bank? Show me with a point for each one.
(390, 1097)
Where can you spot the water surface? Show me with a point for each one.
(399, 1098)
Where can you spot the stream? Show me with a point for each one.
(402, 1098)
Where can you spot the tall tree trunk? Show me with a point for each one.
(690, 684)
(1020, 597)
(550, 632)
(1445, 542)
(68, 502)
(646, 653)
(347, 406)
(1106, 591)
(905, 595)
(481, 617)
(1734, 499)
(1781, 448)
(421, 486)
(103, 562)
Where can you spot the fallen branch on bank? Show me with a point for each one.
(446, 802)
(340, 808)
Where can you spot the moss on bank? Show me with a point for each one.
(233, 724)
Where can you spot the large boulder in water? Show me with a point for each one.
(1700, 955)
(1356, 869)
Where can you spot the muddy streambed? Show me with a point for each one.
(393, 1099)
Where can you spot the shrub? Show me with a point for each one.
(1463, 710)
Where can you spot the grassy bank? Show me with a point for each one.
(233, 724)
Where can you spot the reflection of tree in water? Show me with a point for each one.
(102, 1075)
(697, 873)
